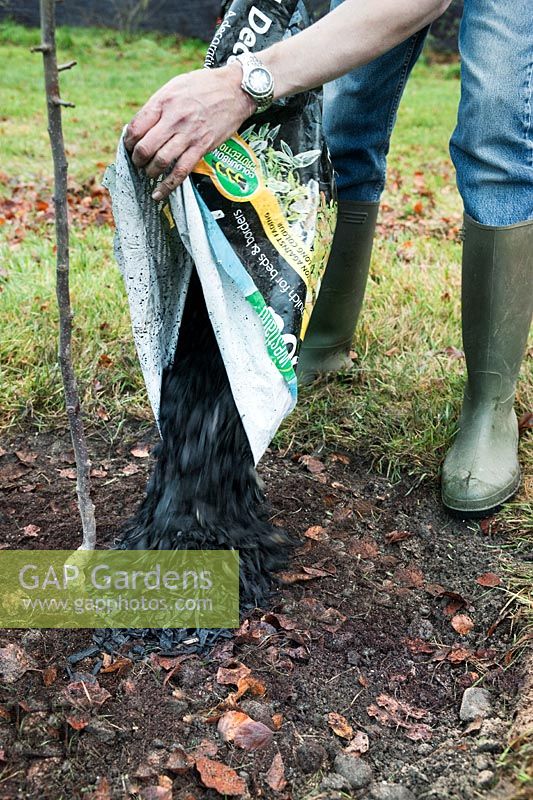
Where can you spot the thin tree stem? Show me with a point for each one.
(73, 406)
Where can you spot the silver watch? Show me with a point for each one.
(257, 80)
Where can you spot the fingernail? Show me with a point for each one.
(157, 195)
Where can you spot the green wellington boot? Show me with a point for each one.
(329, 336)
(481, 469)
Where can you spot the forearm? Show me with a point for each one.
(353, 34)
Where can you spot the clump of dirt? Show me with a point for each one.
(351, 680)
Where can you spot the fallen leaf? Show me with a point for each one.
(454, 353)
(14, 662)
(49, 675)
(316, 532)
(525, 423)
(358, 745)
(281, 621)
(120, 665)
(488, 579)
(218, 776)
(473, 727)
(229, 722)
(340, 725)
(292, 577)
(252, 685)
(462, 623)
(419, 646)
(341, 457)
(85, 695)
(232, 672)
(363, 548)
(397, 536)
(451, 608)
(313, 465)
(141, 450)
(253, 735)
(179, 761)
(31, 530)
(69, 473)
(419, 732)
(151, 766)
(277, 721)
(102, 790)
(409, 576)
(275, 777)
(98, 473)
(26, 457)
(487, 525)
(130, 469)
(11, 472)
(78, 721)
(458, 654)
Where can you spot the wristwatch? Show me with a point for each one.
(257, 80)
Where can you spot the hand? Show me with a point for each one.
(186, 118)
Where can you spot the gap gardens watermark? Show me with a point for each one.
(119, 589)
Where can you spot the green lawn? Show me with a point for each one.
(399, 405)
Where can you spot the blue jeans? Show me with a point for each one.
(492, 145)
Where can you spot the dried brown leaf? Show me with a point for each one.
(130, 469)
(229, 723)
(253, 735)
(525, 423)
(141, 450)
(313, 465)
(275, 777)
(31, 530)
(69, 473)
(179, 761)
(363, 548)
(218, 776)
(232, 672)
(358, 745)
(85, 695)
(398, 536)
(14, 662)
(316, 532)
(277, 721)
(462, 623)
(488, 579)
(340, 725)
(78, 721)
(49, 675)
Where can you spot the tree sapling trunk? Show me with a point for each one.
(55, 131)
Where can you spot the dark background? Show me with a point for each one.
(184, 17)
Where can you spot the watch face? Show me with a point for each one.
(260, 81)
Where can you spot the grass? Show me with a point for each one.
(400, 404)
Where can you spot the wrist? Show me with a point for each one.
(233, 73)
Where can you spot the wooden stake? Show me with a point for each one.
(55, 131)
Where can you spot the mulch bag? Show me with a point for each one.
(254, 221)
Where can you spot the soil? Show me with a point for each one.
(365, 625)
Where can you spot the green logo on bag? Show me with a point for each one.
(235, 169)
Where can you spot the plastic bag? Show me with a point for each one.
(255, 219)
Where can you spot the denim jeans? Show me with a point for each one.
(492, 145)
